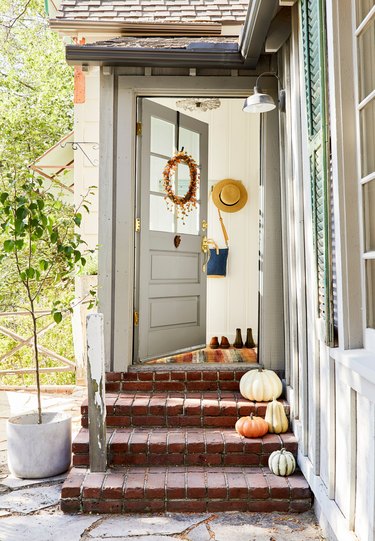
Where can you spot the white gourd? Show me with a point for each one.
(260, 385)
(282, 463)
(276, 418)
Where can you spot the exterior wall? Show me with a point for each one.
(233, 153)
(86, 172)
(86, 178)
(332, 390)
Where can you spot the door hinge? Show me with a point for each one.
(138, 128)
(136, 319)
(137, 226)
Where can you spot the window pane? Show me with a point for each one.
(183, 182)
(156, 174)
(162, 137)
(367, 121)
(370, 292)
(369, 215)
(161, 218)
(363, 8)
(190, 141)
(191, 226)
(366, 61)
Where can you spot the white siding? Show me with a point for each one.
(339, 397)
(86, 174)
(364, 515)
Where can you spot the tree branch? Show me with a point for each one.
(10, 26)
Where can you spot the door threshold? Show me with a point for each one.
(191, 367)
(182, 351)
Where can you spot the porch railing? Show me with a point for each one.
(65, 364)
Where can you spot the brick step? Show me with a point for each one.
(156, 378)
(208, 409)
(183, 447)
(184, 489)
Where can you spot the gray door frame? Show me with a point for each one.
(117, 169)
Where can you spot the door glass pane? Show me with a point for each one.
(366, 61)
(183, 182)
(156, 173)
(369, 214)
(161, 219)
(162, 137)
(190, 141)
(363, 8)
(370, 292)
(191, 226)
(367, 120)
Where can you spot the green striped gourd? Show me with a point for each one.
(282, 463)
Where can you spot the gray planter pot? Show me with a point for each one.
(36, 451)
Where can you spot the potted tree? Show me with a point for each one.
(41, 250)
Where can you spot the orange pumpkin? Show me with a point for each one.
(251, 427)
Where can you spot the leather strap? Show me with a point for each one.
(225, 234)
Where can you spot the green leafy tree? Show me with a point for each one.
(36, 110)
(41, 251)
(36, 84)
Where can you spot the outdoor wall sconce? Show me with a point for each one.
(259, 102)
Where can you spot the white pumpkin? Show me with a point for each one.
(260, 385)
(282, 463)
(276, 418)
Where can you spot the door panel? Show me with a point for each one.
(171, 292)
(177, 267)
(176, 311)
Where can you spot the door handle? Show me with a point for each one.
(205, 248)
(204, 245)
(206, 253)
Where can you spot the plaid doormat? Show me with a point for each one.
(208, 355)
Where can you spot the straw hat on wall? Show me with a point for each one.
(229, 195)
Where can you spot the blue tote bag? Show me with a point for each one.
(217, 263)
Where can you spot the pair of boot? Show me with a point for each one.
(238, 343)
(224, 344)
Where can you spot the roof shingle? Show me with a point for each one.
(222, 43)
(153, 11)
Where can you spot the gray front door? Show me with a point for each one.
(171, 284)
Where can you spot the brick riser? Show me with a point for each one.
(171, 410)
(176, 380)
(184, 447)
(175, 448)
(184, 490)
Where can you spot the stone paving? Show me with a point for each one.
(29, 509)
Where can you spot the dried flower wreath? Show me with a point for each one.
(188, 202)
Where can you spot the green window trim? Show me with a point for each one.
(314, 46)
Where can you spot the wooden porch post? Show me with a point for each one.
(96, 392)
(271, 301)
